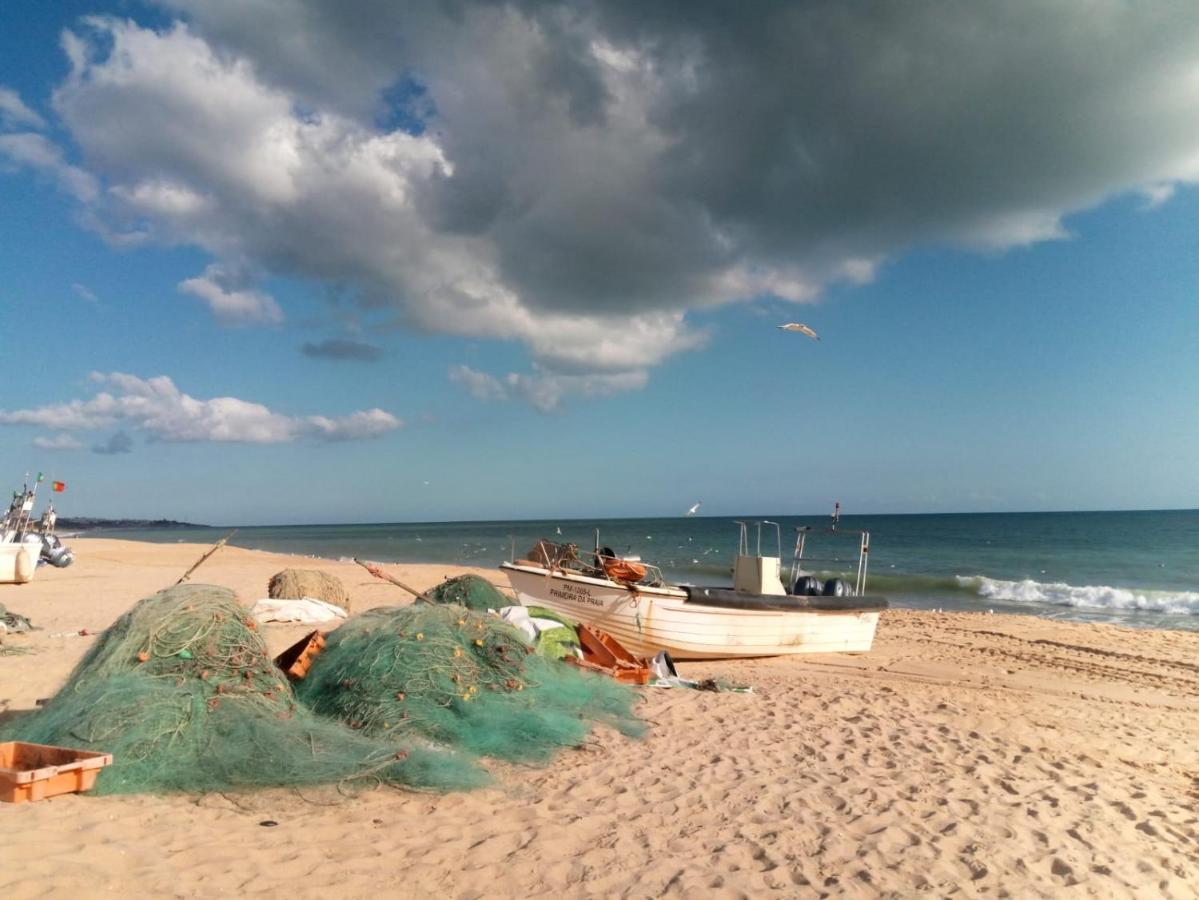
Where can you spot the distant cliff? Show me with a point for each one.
(86, 523)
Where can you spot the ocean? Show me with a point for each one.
(1130, 568)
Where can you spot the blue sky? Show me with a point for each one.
(1005, 334)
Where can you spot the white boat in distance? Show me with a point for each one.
(756, 617)
(25, 542)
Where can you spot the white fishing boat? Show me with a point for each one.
(24, 542)
(757, 616)
(19, 549)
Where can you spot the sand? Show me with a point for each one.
(967, 755)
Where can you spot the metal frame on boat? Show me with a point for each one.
(757, 616)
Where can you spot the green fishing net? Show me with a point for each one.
(462, 678)
(182, 691)
(472, 591)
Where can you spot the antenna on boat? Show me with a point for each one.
(778, 536)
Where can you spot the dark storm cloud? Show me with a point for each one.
(790, 136)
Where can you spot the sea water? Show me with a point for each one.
(1132, 568)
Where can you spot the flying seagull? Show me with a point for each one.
(801, 328)
(694, 509)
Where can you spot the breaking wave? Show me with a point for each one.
(1181, 603)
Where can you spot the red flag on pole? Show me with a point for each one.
(58, 486)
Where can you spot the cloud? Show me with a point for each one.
(545, 391)
(230, 306)
(15, 114)
(342, 349)
(57, 442)
(1156, 194)
(580, 178)
(39, 153)
(159, 410)
(120, 442)
(84, 292)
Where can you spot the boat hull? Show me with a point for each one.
(18, 562)
(646, 620)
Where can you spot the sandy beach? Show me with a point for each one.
(967, 755)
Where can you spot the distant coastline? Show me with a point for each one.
(86, 523)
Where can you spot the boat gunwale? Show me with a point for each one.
(675, 593)
(769, 603)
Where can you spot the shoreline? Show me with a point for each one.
(966, 752)
(901, 597)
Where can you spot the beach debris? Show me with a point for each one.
(300, 584)
(268, 823)
(199, 562)
(222, 719)
(715, 685)
(461, 678)
(800, 328)
(30, 772)
(553, 636)
(304, 611)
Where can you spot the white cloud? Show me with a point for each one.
(37, 152)
(1156, 194)
(579, 178)
(480, 385)
(232, 307)
(84, 292)
(15, 114)
(158, 409)
(57, 442)
(546, 390)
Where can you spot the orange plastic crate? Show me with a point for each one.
(297, 658)
(31, 772)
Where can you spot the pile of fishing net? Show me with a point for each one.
(461, 678)
(471, 591)
(183, 692)
(13, 623)
(296, 584)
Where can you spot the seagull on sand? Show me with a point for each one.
(694, 509)
(801, 328)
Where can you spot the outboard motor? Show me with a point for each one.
(55, 552)
(807, 586)
(835, 587)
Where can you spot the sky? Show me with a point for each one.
(281, 261)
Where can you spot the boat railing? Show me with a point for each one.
(556, 557)
(799, 559)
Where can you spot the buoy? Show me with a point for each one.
(25, 565)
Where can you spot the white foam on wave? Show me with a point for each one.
(1180, 603)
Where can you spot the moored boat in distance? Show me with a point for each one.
(757, 616)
